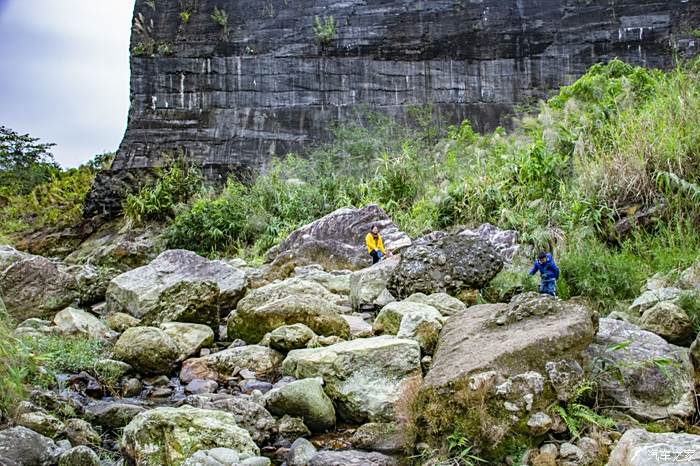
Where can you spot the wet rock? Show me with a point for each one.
(289, 337)
(336, 241)
(178, 286)
(382, 437)
(189, 338)
(495, 355)
(368, 284)
(650, 390)
(79, 456)
(148, 349)
(292, 301)
(300, 453)
(351, 458)
(444, 303)
(112, 415)
(364, 377)
(670, 322)
(20, 446)
(450, 264)
(171, 435)
(263, 361)
(249, 415)
(638, 447)
(198, 386)
(80, 432)
(72, 321)
(43, 423)
(120, 321)
(305, 399)
(33, 286)
(132, 387)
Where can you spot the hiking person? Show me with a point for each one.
(549, 272)
(375, 246)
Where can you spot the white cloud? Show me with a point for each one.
(64, 73)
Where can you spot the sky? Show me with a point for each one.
(64, 73)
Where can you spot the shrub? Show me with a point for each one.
(220, 17)
(325, 30)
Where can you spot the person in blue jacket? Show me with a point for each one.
(549, 272)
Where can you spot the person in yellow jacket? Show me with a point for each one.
(375, 246)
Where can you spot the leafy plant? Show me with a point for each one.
(185, 17)
(220, 17)
(325, 30)
(577, 415)
(24, 162)
(165, 48)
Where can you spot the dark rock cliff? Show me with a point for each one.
(232, 94)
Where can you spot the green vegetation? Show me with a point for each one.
(24, 162)
(15, 365)
(578, 414)
(63, 355)
(185, 17)
(325, 30)
(220, 17)
(690, 303)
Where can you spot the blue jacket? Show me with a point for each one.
(548, 270)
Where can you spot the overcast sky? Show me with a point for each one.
(64, 73)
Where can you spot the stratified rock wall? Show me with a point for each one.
(233, 97)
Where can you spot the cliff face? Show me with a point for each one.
(234, 93)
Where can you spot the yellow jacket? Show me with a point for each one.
(373, 245)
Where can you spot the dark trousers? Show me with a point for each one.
(376, 256)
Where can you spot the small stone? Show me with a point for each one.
(256, 461)
(539, 423)
(132, 387)
(199, 386)
(248, 386)
(569, 451)
(292, 427)
(80, 432)
(79, 456)
(300, 452)
(41, 422)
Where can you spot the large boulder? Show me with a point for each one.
(112, 415)
(335, 281)
(263, 361)
(72, 321)
(149, 350)
(641, 448)
(449, 264)
(670, 322)
(292, 301)
(79, 456)
(503, 241)
(365, 377)
(336, 241)
(249, 415)
(351, 458)
(189, 338)
(642, 372)
(291, 337)
(650, 298)
(304, 399)
(171, 435)
(178, 286)
(41, 422)
(33, 286)
(368, 284)
(20, 446)
(125, 249)
(490, 368)
(413, 320)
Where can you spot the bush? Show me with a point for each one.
(62, 355)
(174, 186)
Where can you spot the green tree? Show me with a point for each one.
(24, 162)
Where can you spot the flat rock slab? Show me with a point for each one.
(657, 377)
(641, 448)
(364, 377)
(351, 458)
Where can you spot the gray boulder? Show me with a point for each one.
(690, 278)
(496, 355)
(214, 457)
(641, 371)
(365, 378)
(650, 298)
(41, 422)
(20, 446)
(670, 322)
(411, 320)
(446, 304)
(33, 286)
(290, 337)
(112, 415)
(351, 458)
(189, 338)
(335, 281)
(304, 399)
(119, 321)
(72, 321)
(382, 437)
(336, 241)
(79, 456)
(178, 286)
(637, 447)
(80, 432)
(292, 301)
(368, 284)
(300, 453)
(249, 415)
(171, 435)
(149, 350)
(450, 264)
(263, 361)
(505, 242)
